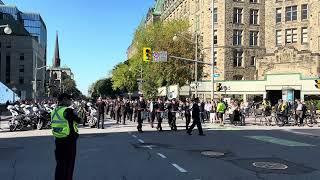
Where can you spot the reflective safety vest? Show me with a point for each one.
(59, 124)
(221, 107)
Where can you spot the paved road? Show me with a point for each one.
(120, 153)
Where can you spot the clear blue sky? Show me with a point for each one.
(93, 34)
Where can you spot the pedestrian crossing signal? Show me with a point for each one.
(218, 87)
(147, 54)
(317, 84)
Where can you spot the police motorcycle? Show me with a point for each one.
(42, 117)
(19, 120)
(92, 115)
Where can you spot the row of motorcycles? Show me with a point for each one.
(30, 116)
(38, 116)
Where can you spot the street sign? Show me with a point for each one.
(161, 56)
(216, 75)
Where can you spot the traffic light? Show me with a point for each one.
(218, 87)
(147, 54)
(317, 84)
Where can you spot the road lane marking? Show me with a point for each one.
(179, 168)
(279, 141)
(134, 136)
(140, 140)
(149, 147)
(162, 156)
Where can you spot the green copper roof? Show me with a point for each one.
(158, 7)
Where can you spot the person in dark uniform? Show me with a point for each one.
(64, 123)
(124, 110)
(173, 109)
(152, 112)
(101, 110)
(202, 111)
(196, 118)
(112, 115)
(130, 110)
(141, 107)
(159, 113)
(187, 113)
(117, 110)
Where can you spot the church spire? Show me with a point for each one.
(56, 59)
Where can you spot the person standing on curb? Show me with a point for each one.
(64, 123)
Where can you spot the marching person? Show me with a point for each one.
(159, 111)
(64, 125)
(141, 107)
(101, 110)
(152, 112)
(117, 110)
(124, 110)
(187, 113)
(196, 118)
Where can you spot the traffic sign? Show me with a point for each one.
(161, 56)
(216, 75)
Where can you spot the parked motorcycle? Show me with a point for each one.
(92, 116)
(43, 118)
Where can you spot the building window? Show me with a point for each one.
(237, 15)
(197, 5)
(254, 38)
(304, 35)
(215, 37)
(237, 59)
(21, 80)
(254, 16)
(253, 1)
(278, 37)
(215, 58)
(197, 23)
(252, 61)
(215, 15)
(304, 11)
(21, 57)
(8, 69)
(21, 68)
(278, 15)
(291, 36)
(237, 37)
(237, 77)
(291, 13)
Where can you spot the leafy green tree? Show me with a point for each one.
(103, 87)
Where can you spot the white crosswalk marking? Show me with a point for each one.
(179, 168)
(140, 140)
(162, 156)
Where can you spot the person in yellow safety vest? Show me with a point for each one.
(64, 123)
(221, 108)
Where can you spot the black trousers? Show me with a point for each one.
(118, 116)
(172, 120)
(100, 118)
(65, 153)
(159, 119)
(123, 116)
(188, 120)
(194, 123)
(152, 117)
(140, 121)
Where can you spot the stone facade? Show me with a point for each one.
(293, 51)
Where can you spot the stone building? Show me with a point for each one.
(57, 73)
(20, 55)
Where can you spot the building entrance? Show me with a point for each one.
(273, 96)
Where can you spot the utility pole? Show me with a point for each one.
(212, 53)
(196, 66)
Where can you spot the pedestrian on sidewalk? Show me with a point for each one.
(213, 110)
(221, 108)
(64, 123)
(196, 118)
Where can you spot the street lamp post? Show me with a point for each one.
(35, 80)
(175, 38)
(7, 29)
(212, 52)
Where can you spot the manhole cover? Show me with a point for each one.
(270, 165)
(212, 153)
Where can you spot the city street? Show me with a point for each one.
(120, 153)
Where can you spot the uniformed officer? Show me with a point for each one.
(141, 108)
(159, 113)
(117, 110)
(196, 118)
(64, 123)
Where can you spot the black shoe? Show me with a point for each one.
(102, 128)
(189, 133)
